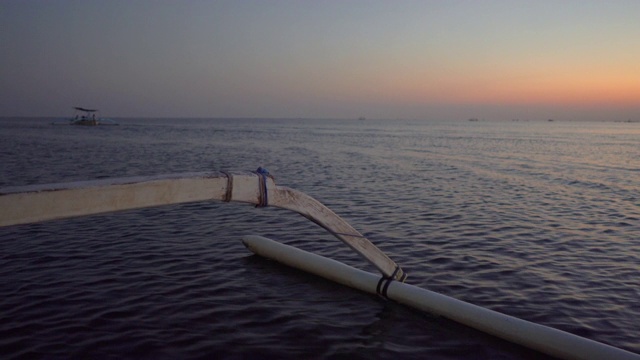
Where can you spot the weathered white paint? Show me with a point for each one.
(27, 204)
(538, 337)
(314, 210)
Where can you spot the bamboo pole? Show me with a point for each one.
(538, 337)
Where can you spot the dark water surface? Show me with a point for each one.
(536, 220)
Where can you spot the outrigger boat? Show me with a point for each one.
(35, 203)
(87, 117)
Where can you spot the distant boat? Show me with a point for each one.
(87, 117)
(362, 118)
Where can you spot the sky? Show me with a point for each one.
(424, 59)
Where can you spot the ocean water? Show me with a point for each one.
(539, 220)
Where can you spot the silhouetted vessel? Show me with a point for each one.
(86, 117)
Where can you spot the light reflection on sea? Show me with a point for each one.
(536, 220)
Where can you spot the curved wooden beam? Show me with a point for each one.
(34, 203)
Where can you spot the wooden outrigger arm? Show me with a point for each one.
(34, 203)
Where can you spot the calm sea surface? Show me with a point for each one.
(539, 220)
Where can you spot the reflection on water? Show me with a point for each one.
(536, 220)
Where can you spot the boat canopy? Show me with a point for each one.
(83, 109)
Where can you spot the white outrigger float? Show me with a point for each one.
(34, 203)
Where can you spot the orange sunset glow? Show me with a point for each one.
(326, 60)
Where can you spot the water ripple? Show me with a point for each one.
(520, 219)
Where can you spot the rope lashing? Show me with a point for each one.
(228, 194)
(262, 178)
(382, 289)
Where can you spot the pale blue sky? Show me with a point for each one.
(322, 59)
